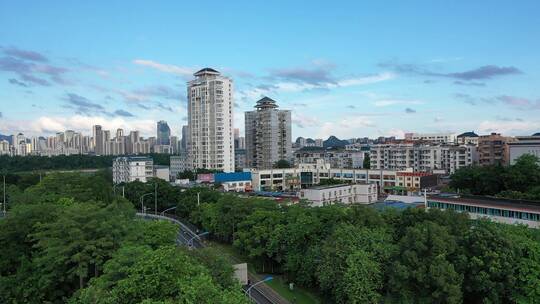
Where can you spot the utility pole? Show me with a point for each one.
(198, 199)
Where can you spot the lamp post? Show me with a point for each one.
(142, 200)
(248, 291)
(190, 242)
(172, 208)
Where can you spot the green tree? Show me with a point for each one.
(367, 161)
(362, 279)
(422, 271)
(282, 164)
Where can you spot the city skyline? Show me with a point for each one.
(381, 69)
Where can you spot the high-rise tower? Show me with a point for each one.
(210, 121)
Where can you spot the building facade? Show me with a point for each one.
(523, 145)
(210, 121)
(130, 169)
(338, 158)
(268, 135)
(492, 149)
(163, 133)
(342, 194)
(307, 175)
(420, 157)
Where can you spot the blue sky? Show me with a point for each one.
(347, 68)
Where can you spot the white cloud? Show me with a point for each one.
(166, 68)
(348, 127)
(393, 102)
(509, 127)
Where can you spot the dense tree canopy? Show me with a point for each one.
(68, 238)
(520, 180)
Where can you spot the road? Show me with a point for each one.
(259, 294)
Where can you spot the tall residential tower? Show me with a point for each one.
(268, 135)
(210, 121)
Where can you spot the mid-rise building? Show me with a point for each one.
(521, 146)
(134, 168)
(443, 138)
(178, 164)
(342, 194)
(492, 149)
(268, 135)
(420, 157)
(210, 121)
(338, 158)
(467, 138)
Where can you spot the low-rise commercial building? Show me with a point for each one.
(498, 210)
(416, 181)
(344, 194)
(521, 146)
(307, 175)
(234, 181)
(133, 168)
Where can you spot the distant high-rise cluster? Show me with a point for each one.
(100, 143)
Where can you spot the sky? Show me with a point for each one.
(344, 68)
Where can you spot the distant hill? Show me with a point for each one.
(333, 141)
(5, 137)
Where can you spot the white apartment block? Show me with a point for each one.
(343, 194)
(445, 138)
(308, 175)
(130, 169)
(268, 135)
(210, 121)
(422, 157)
(344, 159)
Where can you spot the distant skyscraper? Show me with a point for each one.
(98, 140)
(184, 140)
(268, 135)
(210, 120)
(163, 133)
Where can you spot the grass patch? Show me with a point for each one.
(278, 284)
(296, 296)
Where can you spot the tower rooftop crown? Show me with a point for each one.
(266, 103)
(206, 71)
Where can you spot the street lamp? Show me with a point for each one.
(141, 199)
(190, 242)
(248, 291)
(163, 212)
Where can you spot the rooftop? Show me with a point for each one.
(206, 71)
(491, 202)
(266, 103)
(468, 134)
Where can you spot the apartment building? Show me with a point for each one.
(492, 149)
(444, 138)
(210, 121)
(134, 168)
(422, 157)
(268, 135)
(343, 194)
(338, 158)
(468, 138)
